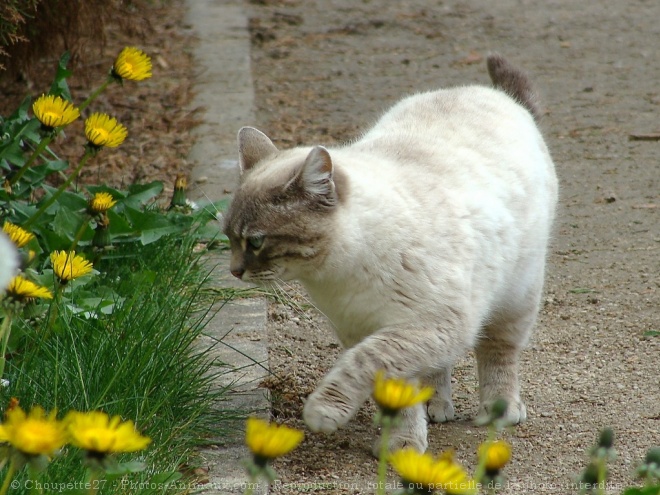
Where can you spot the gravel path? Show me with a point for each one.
(324, 70)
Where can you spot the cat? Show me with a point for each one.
(9, 261)
(423, 239)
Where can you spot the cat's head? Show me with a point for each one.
(280, 223)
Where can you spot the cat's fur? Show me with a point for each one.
(423, 239)
(9, 261)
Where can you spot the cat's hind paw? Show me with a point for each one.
(397, 442)
(322, 416)
(440, 410)
(411, 432)
(515, 413)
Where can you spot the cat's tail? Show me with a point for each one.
(513, 82)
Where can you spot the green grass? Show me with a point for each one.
(140, 362)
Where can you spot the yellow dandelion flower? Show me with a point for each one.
(35, 433)
(54, 111)
(67, 265)
(415, 468)
(132, 64)
(101, 202)
(454, 479)
(18, 236)
(103, 130)
(268, 441)
(497, 454)
(428, 473)
(99, 434)
(23, 290)
(393, 394)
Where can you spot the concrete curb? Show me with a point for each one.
(224, 92)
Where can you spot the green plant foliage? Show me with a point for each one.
(119, 302)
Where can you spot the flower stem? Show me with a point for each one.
(480, 471)
(5, 330)
(54, 309)
(249, 488)
(602, 476)
(32, 474)
(93, 96)
(79, 234)
(37, 151)
(10, 474)
(92, 481)
(382, 455)
(48, 202)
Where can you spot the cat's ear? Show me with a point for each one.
(316, 175)
(253, 146)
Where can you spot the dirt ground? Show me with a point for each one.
(155, 111)
(325, 70)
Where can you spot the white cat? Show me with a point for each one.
(423, 239)
(9, 261)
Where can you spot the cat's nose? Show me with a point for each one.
(238, 272)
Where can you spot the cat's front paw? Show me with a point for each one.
(440, 410)
(326, 415)
(515, 413)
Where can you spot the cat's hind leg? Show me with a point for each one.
(440, 408)
(411, 431)
(498, 354)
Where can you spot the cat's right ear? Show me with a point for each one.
(253, 146)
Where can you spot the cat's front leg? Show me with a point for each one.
(406, 353)
(331, 406)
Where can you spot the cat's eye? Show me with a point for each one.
(255, 241)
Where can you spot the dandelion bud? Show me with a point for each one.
(590, 475)
(606, 439)
(102, 238)
(653, 456)
(498, 409)
(179, 195)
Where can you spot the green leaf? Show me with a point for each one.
(652, 333)
(71, 200)
(646, 490)
(118, 224)
(12, 137)
(166, 477)
(151, 225)
(93, 306)
(152, 235)
(22, 211)
(139, 194)
(581, 290)
(116, 193)
(60, 86)
(67, 222)
(39, 173)
(12, 153)
(210, 232)
(125, 468)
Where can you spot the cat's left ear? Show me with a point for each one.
(316, 175)
(253, 146)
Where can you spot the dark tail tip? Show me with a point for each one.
(513, 82)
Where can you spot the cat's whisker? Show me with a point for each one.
(305, 297)
(210, 205)
(285, 297)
